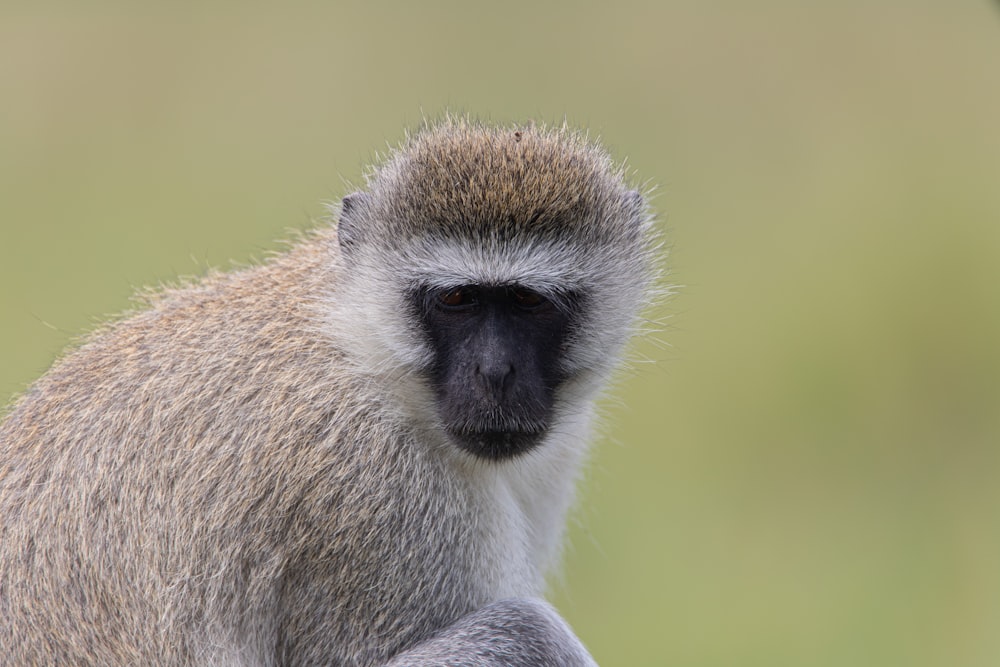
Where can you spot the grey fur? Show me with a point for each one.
(508, 633)
(247, 471)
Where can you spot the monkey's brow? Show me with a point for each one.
(563, 298)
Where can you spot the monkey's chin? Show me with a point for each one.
(497, 445)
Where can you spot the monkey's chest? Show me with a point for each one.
(401, 565)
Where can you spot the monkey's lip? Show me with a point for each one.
(497, 445)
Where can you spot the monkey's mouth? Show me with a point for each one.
(497, 445)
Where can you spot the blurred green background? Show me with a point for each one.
(809, 473)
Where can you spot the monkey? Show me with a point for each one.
(359, 451)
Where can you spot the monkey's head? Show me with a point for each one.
(496, 273)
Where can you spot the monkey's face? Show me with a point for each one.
(497, 351)
(491, 278)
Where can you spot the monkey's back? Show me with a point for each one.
(189, 485)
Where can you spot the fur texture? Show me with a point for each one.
(249, 470)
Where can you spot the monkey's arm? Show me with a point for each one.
(508, 633)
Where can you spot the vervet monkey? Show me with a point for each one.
(360, 452)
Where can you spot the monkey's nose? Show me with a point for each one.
(495, 378)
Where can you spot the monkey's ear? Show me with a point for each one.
(349, 221)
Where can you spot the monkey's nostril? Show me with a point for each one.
(508, 380)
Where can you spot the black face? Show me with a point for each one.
(497, 351)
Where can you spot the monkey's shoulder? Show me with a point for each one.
(217, 365)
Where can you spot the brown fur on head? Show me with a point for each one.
(467, 180)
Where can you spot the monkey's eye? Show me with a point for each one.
(458, 298)
(526, 298)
